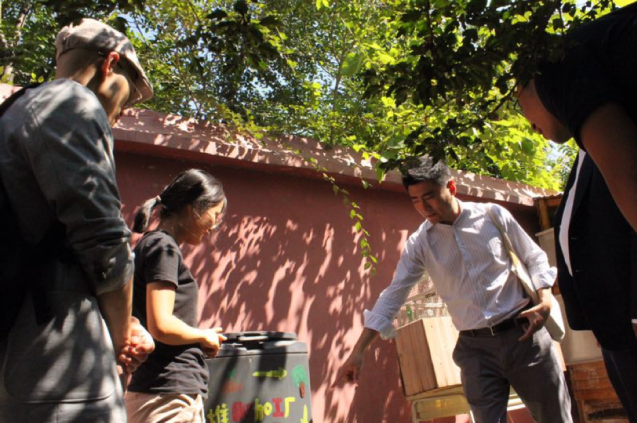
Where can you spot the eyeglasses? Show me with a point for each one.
(215, 217)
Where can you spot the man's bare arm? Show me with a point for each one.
(350, 370)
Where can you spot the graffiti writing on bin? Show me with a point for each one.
(230, 386)
(239, 411)
(277, 374)
(299, 376)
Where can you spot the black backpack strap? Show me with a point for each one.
(13, 97)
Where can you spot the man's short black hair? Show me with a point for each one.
(423, 169)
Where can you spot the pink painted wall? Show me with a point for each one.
(287, 259)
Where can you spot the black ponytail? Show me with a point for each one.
(193, 187)
(142, 218)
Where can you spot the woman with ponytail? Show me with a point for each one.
(171, 384)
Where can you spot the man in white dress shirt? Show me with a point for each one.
(502, 340)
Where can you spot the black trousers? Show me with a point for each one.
(622, 372)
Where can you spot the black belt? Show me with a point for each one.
(495, 330)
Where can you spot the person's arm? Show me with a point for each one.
(533, 257)
(116, 308)
(169, 329)
(542, 275)
(351, 369)
(379, 321)
(537, 315)
(137, 350)
(610, 137)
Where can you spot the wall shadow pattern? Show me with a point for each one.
(287, 259)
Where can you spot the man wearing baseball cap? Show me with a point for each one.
(66, 265)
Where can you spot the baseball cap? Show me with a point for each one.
(94, 35)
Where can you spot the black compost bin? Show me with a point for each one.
(259, 377)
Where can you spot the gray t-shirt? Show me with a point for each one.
(56, 161)
(177, 369)
(57, 168)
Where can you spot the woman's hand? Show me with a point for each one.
(211, 341)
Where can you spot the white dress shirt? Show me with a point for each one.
(565, 225)
(470, 269)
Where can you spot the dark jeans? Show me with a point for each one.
(622, 372)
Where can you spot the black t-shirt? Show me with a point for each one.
(599, 66)
(170, 368)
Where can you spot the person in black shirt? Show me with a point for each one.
(590, 95)
(171, 384)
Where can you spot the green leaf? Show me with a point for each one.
(528, 146)
(385, 58)
(352, 64)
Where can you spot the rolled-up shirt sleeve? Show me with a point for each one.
(410, 270)
(71, 154)
(533, 257)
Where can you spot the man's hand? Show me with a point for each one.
(536, 315)
(350, 370)
(137, 349)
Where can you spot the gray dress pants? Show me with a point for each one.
(491, 365)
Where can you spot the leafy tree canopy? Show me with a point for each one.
(388, 78)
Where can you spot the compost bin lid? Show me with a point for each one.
(260, 342)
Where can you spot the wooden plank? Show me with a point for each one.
(414, 359)
(422, 358)
(442, 330)
(596, 394)
(553, 201)
(439, 392)
(403, 348)
(425, 350)
(595, 383)
(545, 220)
(582, 371)
(445, 406)
(412, 353)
